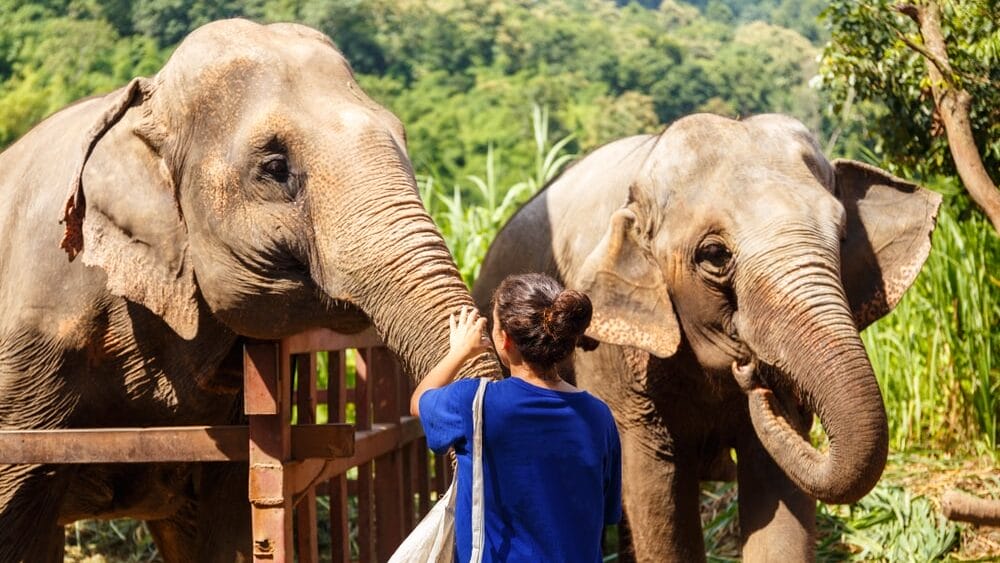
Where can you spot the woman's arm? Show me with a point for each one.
(466, 341)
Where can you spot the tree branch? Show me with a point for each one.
(942, 66)
(953, 104)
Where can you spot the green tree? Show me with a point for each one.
(49, 60)
(934, 67)
(168, 21)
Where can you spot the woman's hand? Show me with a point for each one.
(467, 338)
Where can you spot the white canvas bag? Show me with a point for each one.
(433, 540)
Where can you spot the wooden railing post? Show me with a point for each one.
(305, 512)
(389, 501)
(268, 406)
(337, 486)
(365, 485)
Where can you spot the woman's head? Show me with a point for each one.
(543, 320)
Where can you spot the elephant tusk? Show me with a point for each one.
(745, 375)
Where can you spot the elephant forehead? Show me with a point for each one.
(761, 145)
(237, 52)
(747, 171)
(215, 40)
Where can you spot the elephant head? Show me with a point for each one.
(253, 181)
(742, 239)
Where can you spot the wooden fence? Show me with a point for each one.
(292, 465)
(391, 488)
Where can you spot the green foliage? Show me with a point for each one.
(458, 73)
(868, 60)
(469, 227)
(800, 15)
(48, 60)
(168, 21)
(124, 540)
(889, 524)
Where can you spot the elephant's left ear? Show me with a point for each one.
(631, 302)
(122, 213)
(887, 240)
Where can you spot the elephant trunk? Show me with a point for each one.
(801, 325)
(381, 252)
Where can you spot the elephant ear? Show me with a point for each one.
(628, 293)
(887, 240)
(122, 213)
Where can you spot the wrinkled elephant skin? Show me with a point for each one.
(731, 266)
(248, 189)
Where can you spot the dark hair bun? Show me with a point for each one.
(545, 321)
(569, 315)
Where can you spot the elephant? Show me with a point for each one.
(731, 267)
(248, 190)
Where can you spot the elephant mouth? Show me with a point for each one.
(745, 374)
(754, 375)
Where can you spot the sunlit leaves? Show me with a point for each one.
(868, 59)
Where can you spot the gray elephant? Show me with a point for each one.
(730, 266)
(248, 189)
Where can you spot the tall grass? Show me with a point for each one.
(936, 355)
(469, 215)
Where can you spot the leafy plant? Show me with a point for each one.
(890, 524)
(470, 216)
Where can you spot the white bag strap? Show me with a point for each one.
(478, 530)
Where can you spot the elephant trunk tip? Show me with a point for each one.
(843, 474)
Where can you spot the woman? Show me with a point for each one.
(552, 460)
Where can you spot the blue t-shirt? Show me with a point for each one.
(551, 468)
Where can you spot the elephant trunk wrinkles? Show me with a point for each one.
(804, 328)
(381, 252)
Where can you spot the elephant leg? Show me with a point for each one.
(29, 521)
(626, 553)
(777, 519)
(213, 527)
(661, 500)
(176, 537)
(224, 513)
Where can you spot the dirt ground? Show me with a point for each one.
(928, 475)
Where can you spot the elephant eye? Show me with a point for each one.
(276, 166)
(714, 255)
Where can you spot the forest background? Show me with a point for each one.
(498, 96)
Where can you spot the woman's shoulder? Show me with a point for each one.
(464, 387)
(452, 396)
(599, 409)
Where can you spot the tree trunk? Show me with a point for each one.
(964, 507)
(953, 104)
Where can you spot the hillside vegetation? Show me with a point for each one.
(499, 95)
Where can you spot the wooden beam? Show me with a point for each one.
(321, 340)
(165, 444)
(369, 444)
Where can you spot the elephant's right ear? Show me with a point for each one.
(887, 238)
(626, 287)
(122, 213)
